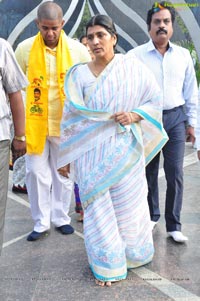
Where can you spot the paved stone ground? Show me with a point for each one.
(56, 268)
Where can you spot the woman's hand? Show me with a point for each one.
(64, 171)
(126, 118)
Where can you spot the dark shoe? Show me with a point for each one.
(19, 189)
(36, 235)
(65, 229)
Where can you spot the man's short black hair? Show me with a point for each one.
(156, 7)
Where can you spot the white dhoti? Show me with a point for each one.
(49, 193)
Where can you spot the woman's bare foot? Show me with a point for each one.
(102, 283)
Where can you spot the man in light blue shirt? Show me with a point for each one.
(173, 68)
(12, 81)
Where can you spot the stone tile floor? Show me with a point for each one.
(56, 268)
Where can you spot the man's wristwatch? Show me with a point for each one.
(20, 138)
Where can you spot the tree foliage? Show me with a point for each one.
(86, 16)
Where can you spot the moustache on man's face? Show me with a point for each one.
(161, 30)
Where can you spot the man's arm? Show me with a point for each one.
(190, 93)
(191, 100)
(18, 115)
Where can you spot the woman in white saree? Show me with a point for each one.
(111, 124)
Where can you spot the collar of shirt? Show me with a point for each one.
(151, 46)
(51, 51)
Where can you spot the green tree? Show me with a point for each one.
(86, 16)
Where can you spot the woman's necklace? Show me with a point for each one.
(97, 71)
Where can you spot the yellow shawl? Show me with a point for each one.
(37, 91)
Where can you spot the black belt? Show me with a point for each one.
(172, 110)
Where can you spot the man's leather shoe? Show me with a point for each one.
(65, 229)
(153, 224)
(178, 236)
(36, 235)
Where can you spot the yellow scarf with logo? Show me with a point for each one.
(37, 91)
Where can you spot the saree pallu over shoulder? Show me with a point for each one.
(37, 108)
(124, 85)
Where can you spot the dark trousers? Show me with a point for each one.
(173, 154)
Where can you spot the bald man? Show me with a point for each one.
(45, 59)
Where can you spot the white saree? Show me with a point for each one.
(109, 160)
